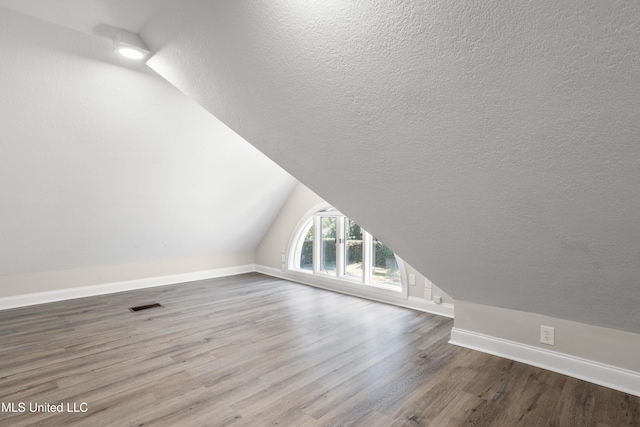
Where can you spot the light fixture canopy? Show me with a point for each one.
(130, 45)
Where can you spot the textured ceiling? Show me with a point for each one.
(492, 144)
(85, 15)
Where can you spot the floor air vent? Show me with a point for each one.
(145, 307)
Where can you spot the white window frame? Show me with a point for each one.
(339, 280)
(301, 232)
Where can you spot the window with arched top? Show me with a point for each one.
(330, 245)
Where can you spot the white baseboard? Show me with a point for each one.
(129, 285)
(587, 370)
(442, 309)
(410, 302)
(598, 373)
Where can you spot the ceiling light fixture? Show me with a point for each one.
(130, 45)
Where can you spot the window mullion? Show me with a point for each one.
(317, 242)
(340, 237)
(367, 251)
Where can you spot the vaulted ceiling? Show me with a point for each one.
(105, 163)
(494, 145)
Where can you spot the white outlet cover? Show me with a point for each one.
(547, 335)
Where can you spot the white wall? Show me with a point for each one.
(105, 164)
(603, 356)
(594, 343)
(48, 282)
(301, 202)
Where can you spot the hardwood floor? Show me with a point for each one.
(251, 350)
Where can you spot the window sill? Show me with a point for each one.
(344, 284)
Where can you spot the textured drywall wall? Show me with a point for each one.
(276, 240)
(48, 281)
(103, 163)
(492, 144)
(603, 345)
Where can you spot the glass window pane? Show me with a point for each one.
(306, 249)
(384, 267)
(328, 245)
(353, 249)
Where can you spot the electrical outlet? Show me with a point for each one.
(547, 335)
(412, 279)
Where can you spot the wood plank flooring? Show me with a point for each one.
(250, 350)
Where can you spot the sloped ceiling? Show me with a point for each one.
(493, 145)
(84, 15)
(106, 163)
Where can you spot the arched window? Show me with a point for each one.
(331, 245)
